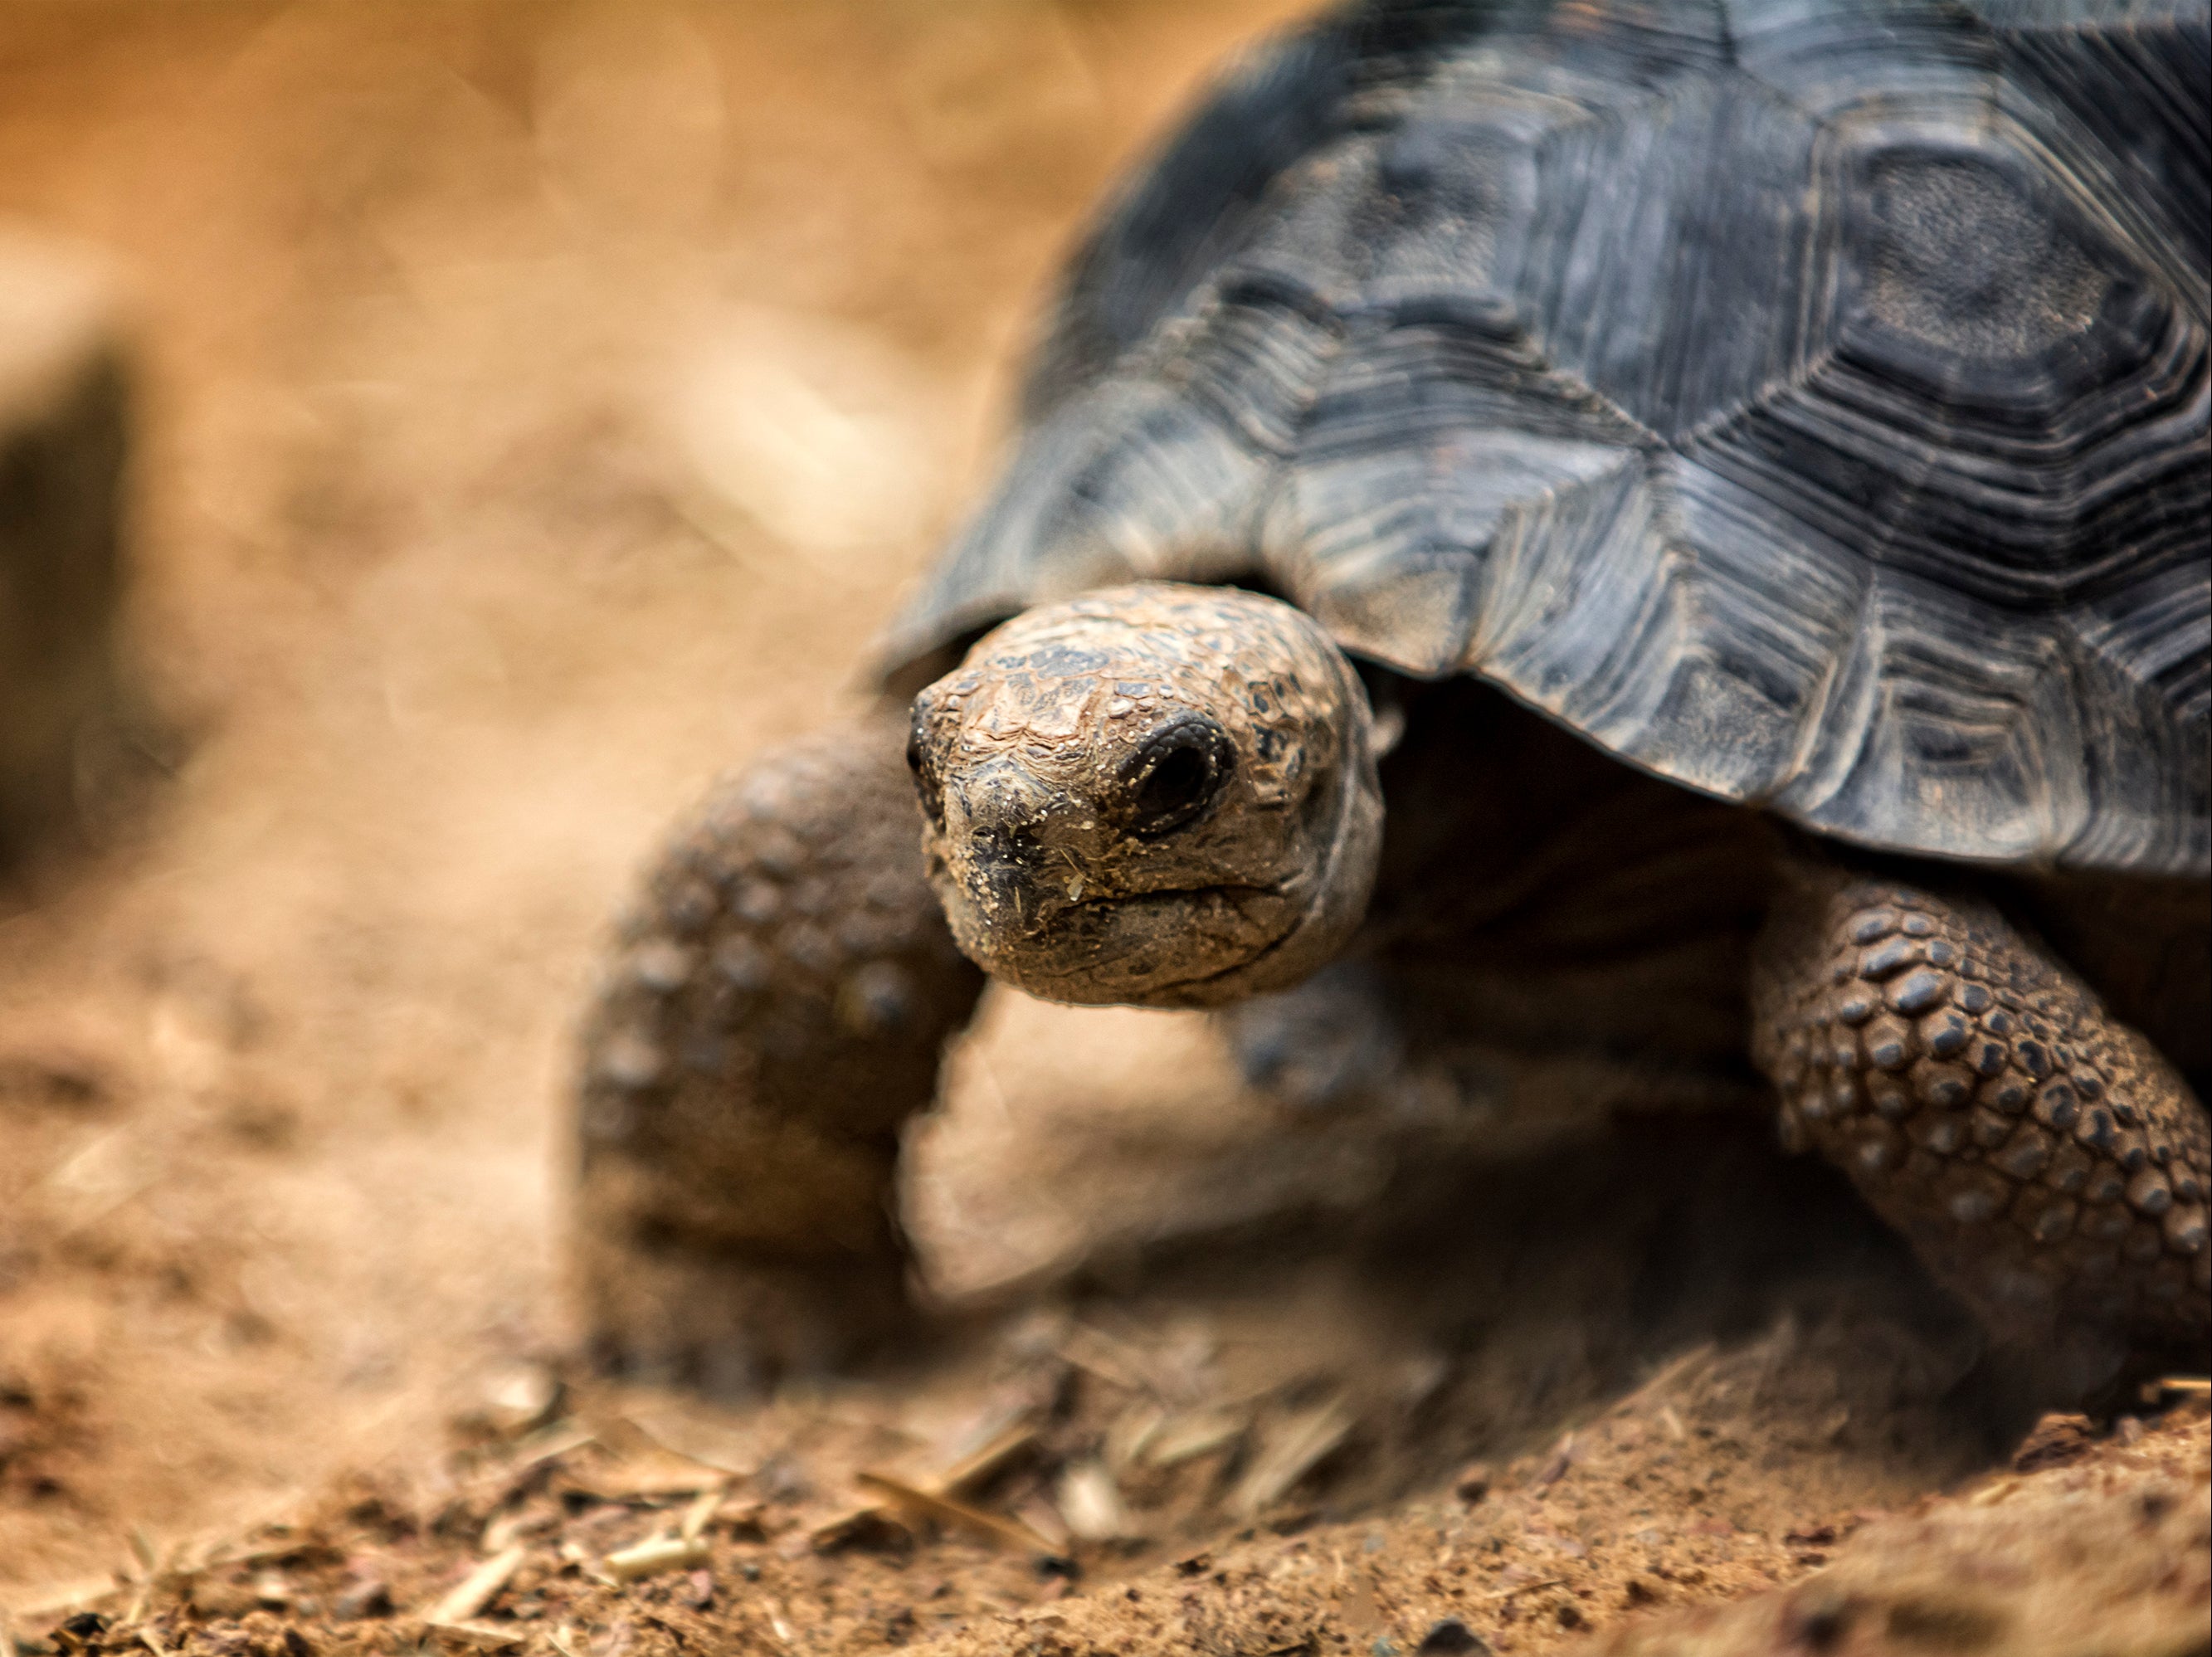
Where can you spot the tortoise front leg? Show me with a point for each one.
(779, 1008)
(2046, 1162)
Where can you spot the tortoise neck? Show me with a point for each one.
(1549, 895)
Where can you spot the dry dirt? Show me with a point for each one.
(542, 404)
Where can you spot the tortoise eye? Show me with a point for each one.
(1177, 773)
(927, 787)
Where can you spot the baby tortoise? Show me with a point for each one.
(1654, 550)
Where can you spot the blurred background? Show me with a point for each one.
(533, 407)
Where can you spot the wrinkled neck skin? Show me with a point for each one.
(1155, 795)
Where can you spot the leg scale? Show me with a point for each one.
(777, 1007)
(2045, 1159)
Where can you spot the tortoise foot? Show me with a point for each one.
(1329, 1044)
(669, 1311)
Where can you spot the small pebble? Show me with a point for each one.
(1473, 1482)
(1452, 1638)
(370, 1597)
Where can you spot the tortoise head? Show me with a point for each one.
(1155, 794)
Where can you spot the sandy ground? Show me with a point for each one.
(541, 406)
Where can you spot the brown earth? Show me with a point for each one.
(541, 405)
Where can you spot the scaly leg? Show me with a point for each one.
(778, 1008)
(2048, 1164)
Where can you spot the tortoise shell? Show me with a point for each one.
(1804, 400)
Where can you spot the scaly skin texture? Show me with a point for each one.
(2047, 1161)
(779, 1007)
(1156, 794)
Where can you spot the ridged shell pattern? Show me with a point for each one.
(1805, 401)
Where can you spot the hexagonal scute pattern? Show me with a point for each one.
(1806, 400)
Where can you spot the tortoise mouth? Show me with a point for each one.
(1186, 988)
(1128, 947)
(1068, 924)
(1160, 897)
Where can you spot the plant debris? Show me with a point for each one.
(2111, 1538)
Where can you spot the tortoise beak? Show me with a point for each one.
(998, 832)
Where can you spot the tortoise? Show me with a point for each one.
(1625, 549)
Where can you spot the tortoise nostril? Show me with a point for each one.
(1001, 875)
(927, 787)
(1014, 849)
